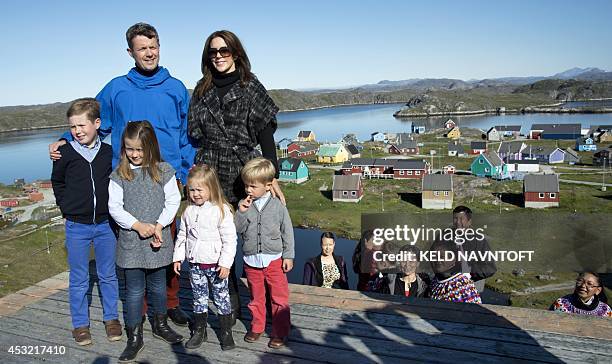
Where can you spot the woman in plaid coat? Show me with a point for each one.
(229, 115)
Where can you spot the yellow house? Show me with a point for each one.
(332, 153)
(306, 136)
(454, 133)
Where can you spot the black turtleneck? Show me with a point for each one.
(223, 83)
(147, 73)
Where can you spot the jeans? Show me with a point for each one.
(78, 240)
(136, 281)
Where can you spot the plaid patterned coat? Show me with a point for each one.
(225, 134)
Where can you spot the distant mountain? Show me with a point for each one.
(575, 72)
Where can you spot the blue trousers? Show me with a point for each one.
(78, 240)
(201, 281)
(136, 281)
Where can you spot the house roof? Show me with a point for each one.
(376, 133)
(516, 128)
(438, 182)
(539, 150)
(403, 136)
(284, 140)
(329, 150)
(493, 158)
(352, 149)
(511, 147)
(295, 164)
(406, 144)
(541, 183)
(349, 139)
(308, 147)
(558, 128)
(408, 164)
(455, 128)
(344, 182)
(304, 133)
(478, 145)
(455, 147)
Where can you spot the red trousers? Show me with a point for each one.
(274, 279)
(172, 282)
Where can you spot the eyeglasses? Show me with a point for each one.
(223, 51)
(588, 285)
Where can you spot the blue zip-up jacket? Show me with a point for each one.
(162, 100)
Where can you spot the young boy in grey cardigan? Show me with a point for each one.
(264, 224)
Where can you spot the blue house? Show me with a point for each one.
(585, 145)
(555, 131)
(544, 154)
(292, 170)
(378, 137)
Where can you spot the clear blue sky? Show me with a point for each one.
(60, 50)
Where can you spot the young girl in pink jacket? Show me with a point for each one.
(207, 240)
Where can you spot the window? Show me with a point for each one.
(401, 173)
(436, 193)
(417, 172)
(353, 193)
(540, 195)
(486, 169)
(446, 193)
(553, 195)
(409, 173)
(480, 161)
(344, 193)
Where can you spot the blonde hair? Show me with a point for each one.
(203, 174)
(87, 105)
(142, 131)
(258, 170)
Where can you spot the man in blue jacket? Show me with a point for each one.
(147, 92)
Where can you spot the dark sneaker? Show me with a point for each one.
(113, 330)
(81, 335)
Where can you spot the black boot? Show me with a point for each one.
(198, 333)
(134, 344)
(225, 334)
(161, 330)
(234, 295)
(177, 316)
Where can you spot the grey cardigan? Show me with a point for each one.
(268, 231)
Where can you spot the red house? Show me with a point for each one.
(9, 203)
(36, 196)
(45, 184)
(478, 147)
(300, 150)
(541, 190)
(410, 169)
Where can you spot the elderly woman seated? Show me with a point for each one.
(326, 269)
(588, 298)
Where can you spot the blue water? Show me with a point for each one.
(24, 154)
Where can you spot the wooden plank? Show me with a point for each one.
(459, 340)
(363, 339)
(155, 350)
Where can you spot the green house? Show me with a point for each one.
(488, 164)
(292, 170)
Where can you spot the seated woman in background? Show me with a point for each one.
(363, 261)
(588, 298)
(407, 282)
(449, 284)
(326, 269)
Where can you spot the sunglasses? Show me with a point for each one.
(223, 51)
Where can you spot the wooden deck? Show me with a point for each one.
(328, 326)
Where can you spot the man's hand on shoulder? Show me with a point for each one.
(54, 154)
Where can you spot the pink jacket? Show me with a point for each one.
(204, 237)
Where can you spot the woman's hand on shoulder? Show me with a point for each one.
(277, 192)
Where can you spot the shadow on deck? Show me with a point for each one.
(332, 326)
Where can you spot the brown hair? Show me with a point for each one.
(87, 105)
(207, 176)
(241, 60)
(143, 29)
(144, 132)
(258, 170)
